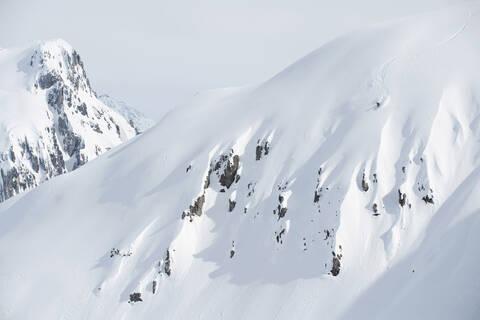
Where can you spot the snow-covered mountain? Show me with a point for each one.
(344, 187)
(51, 120)
(136, 119)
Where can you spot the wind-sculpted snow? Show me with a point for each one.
(51, 120)
(321, 193)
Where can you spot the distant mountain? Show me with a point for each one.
(136, 119)
(51, 120)
(345, 187)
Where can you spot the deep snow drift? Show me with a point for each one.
(51, 120)
(344, 187)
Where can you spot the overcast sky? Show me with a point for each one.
(155, 54)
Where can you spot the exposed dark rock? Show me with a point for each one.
(261, 149)
(114, 252)
(364, 184)
(83, 109)
(230, 173)
(47, 80)
(375, 209)
(251, 189)
(135, 297)
(154, 286)
(72, 143)
(428, 199)
(281, 209)
(95, 127)
(232, 251)
(28, 150)
(267, 147)
(258, 153)
(281, 212)
(56, 157)
(402, 198)
(117, 252)
(197, 207)
(327, 234)
(278, 236)
(335, 264)
(168, 262)
(12, 155)
(231, 205)
(207, 179)
(55, 98)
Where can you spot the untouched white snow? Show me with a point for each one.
(136, 119)
(395, 106)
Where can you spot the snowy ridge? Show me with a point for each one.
(344, 187)
(51, 120)
(136, 119)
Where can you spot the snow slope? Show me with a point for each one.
(136, 119)
(344, 187)
(51, 120)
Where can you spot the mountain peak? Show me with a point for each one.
(52, 120)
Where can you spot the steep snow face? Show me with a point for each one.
(51, 120)
(344, 187)
(135, 118)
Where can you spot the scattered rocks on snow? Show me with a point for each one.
(117, 252)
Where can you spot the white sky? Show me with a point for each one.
(155, 54)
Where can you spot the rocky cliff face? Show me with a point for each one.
(52, 121)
